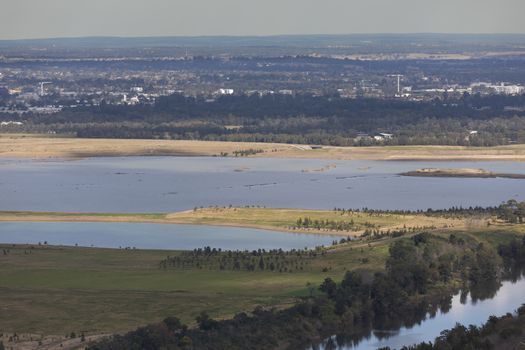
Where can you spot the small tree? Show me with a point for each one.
(329, 287)
(205, 322)
(173, 323)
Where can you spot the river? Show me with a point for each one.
(464, 309)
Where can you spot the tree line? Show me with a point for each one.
(275, 260)
(510, 211)
(333, 225)
(416, 273)
(302, 118)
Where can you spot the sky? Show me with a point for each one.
(23, 19)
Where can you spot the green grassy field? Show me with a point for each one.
(58, 290)
(55, 290)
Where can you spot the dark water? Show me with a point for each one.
(154, 236)
(464, 309)
(163, 184)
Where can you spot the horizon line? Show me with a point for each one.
(196, 36)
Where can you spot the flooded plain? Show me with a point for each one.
(154, 236)
(167, 184)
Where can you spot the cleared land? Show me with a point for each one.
(58, 290)
(261, 218)
(27, 146)
(461, 172)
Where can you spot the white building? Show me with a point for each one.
(225, 91)
(137, 89)
(10, 123)
(508, 89)
(502, 88)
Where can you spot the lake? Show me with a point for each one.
(464, 311)
(166, 184)
(154, 236)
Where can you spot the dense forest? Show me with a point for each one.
(417, 279)
(328, 120)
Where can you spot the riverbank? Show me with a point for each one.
(461, 172)
(99, 291)
(26, 146)
(329, 222)
(411, 286)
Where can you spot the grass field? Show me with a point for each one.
(284, 219)
(262, 218)
(36, 146)
(58, 290)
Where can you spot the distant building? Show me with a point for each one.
(44, 110)
(508, 89)
(383, 136)
(501, 89)
(133, 100)
(362, 136)
(225, 92)
(10, 123)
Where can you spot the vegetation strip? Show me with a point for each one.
(462, 172)
(337, 222)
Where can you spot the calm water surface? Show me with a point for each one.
(508, 298)
(154, 236)
(163, 184)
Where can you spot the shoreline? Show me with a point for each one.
(17, 216)
(16, 146)
(268, 219)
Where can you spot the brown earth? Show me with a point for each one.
(73, 148)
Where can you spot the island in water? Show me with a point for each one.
(460, 172)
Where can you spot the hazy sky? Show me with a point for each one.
(71, 18)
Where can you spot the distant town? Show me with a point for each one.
(229, 91)
(44, 81)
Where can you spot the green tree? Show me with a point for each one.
(329, 287)
(205, 322)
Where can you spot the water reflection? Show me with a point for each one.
(426, 322)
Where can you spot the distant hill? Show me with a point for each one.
(279, 41)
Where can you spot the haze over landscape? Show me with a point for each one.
(23, 19)
(288, 175)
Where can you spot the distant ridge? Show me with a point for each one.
(277, 40)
